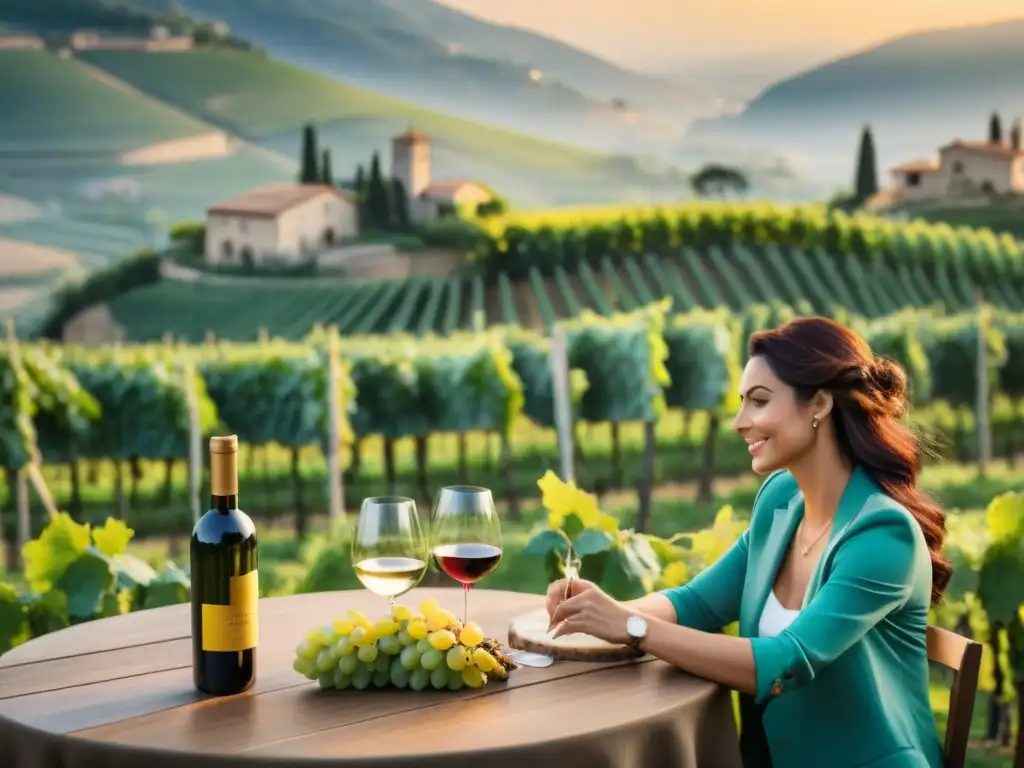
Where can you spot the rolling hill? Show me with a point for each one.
(267, 101)
(917, 92)
(427, 53)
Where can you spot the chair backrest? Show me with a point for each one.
(963, 656)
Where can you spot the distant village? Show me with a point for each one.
(159, 40)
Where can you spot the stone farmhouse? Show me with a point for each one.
(428, 198)
(963, 169)
(279, 222)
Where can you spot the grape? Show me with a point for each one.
(343, 628)
(442, 640)
(440, 620)
(381, 677)
(361, 678)
(484, 661)
(360, 636)
(315, 636)
(455, 681)
(429, 606)
(439, 678)
(401, 613)
(458, 657)
(348, 664)
(306, 668)
(471, 634)
(405, 650)
(399, 674)
(419, 679)
(386, 627)
(307, 650)
(368, 653)
(341, 680)
(431, 660)
(410, 657)
(325, 660)
(473, 677)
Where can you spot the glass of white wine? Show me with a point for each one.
(389, 550)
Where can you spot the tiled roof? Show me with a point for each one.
(1003, 150)
(917, 166)
(272, 199)
(412, 136)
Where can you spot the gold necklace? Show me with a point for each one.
(805, 550)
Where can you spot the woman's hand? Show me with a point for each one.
(556, 592)
(592, 612)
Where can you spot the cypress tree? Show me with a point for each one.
(326, 175)
(377, 202)
(360, 193)
(866, 182)
(309, 173)
(1015, 134)
(995, 129)
(399, 206)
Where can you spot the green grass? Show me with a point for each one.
(51, 104)
(1000, 215)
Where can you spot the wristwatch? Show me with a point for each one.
(636, 629)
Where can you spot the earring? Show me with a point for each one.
(814, 424)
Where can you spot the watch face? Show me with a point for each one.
(636, 626)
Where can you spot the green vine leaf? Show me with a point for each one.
(61, 543)
(112, 539)
(86, 582)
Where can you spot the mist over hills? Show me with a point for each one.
(917, 92)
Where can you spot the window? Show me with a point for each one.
(227, 251)
(913, 179)
(958, 166)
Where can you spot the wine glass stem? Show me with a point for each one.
(391, 606)
(465, 603)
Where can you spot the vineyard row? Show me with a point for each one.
(735, 277)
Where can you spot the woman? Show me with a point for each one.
(831, 583)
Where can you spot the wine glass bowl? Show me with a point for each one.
(389, 548)
(466, 536)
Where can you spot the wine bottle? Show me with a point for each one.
(225, 583)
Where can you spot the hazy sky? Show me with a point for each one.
(660, 33)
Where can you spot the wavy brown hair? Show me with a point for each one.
(870, 395)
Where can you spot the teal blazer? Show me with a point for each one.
(846, 685)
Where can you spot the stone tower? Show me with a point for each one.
(410, 161)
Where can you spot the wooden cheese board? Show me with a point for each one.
(529, 632)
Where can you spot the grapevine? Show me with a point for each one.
(406, 650)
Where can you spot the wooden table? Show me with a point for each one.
(118, 692)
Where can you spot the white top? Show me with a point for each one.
(774, 617)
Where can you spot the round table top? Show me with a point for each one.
(119, 692)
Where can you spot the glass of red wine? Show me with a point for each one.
(466, 536)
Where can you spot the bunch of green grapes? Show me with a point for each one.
(406, 650)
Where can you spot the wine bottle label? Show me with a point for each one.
(234, 627)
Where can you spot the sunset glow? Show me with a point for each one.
(649, 32)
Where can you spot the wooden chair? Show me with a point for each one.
(963, 656)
